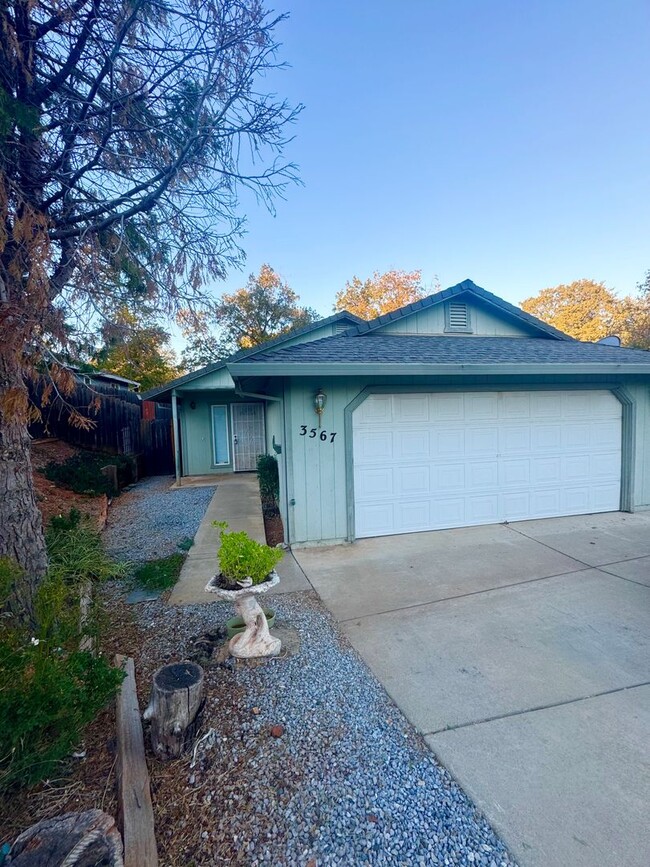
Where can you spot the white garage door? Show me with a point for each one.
(430, 461)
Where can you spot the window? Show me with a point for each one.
(221, 447)
(457, 317)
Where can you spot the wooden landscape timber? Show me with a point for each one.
(134, 793)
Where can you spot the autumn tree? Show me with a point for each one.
(380, 293)
(585, 309)
(137, 348)
(129, 128)
(265, 308)
(633, 321)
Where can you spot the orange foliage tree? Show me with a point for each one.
(380, 293)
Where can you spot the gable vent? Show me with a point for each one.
(340, 327)
(458, 318)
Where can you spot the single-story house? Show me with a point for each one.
(456, 410)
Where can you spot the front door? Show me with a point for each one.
(247, 435)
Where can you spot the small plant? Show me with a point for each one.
(186, 543)
(241, 557)
(160, 574)
(82, 473)
(268, 478)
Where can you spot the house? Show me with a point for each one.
(457, 410)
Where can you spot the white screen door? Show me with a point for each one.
(247, 435)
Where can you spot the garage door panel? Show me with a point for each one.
(410, 408)
(374, 446)
(412, 479)
(481, 406)
(429, 461)
(514, 472)
(412, 516)
(514, 439)
(448, 443)
(376, 482)
(449, 477)
(482, 474)
(546, 437)
(516, 506)
(481, 441)
(412, 444)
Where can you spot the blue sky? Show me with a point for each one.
(507, 142)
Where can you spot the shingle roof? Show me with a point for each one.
(465, 287)
(342, 316)
(378, 348)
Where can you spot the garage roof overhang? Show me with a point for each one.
(270, 369)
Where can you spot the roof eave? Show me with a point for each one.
(421, 369)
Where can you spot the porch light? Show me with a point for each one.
(320, 399)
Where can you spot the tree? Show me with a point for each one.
(380, 293)
(137, 350)
(584, 309)
(129, 128)
(633, 323)
(265, 308)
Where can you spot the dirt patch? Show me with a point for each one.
(53, 500)
(273, 528)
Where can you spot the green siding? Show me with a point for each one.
(316, 471)
(216, 379)
(432, 321)
(196, 431)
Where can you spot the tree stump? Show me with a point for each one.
(88, 839)
(176, 699)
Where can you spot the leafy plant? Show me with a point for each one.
(160, 574)
(49, 688)
(268, 477)
(242, 557)
(82, 473)
(76, 552)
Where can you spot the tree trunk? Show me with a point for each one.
(176, 699)
(74, 840)
(21, 525)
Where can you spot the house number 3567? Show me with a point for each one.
(322, 435)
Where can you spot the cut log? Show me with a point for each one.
(134, 794)
(72, 840)
(176, 698)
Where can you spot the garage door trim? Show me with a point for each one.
(628, 432)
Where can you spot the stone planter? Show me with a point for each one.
(255, 640)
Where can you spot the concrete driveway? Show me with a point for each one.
(522, 653)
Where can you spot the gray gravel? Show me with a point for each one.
(349, 783)
(149, 520)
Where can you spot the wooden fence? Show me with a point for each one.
(122, 423)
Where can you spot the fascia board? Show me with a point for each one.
(418, 369)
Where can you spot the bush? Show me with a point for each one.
(49, 688)
(242, 557)
(268, 477)
(82, 473)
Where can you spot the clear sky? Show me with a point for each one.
(502, 140)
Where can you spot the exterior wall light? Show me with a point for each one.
(192, 404)
(320, 399)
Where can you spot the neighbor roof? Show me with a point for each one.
(343, 316)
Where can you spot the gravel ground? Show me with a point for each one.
(348, 783)
(149, 520)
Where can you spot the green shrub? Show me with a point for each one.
(49, 688)
(76, 552)
(82, 472)
(268, 477)
(242, 557)
(160, 574)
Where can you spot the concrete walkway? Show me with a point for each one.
(237, 501)
(522, 653)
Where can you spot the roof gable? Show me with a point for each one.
(518, 320)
